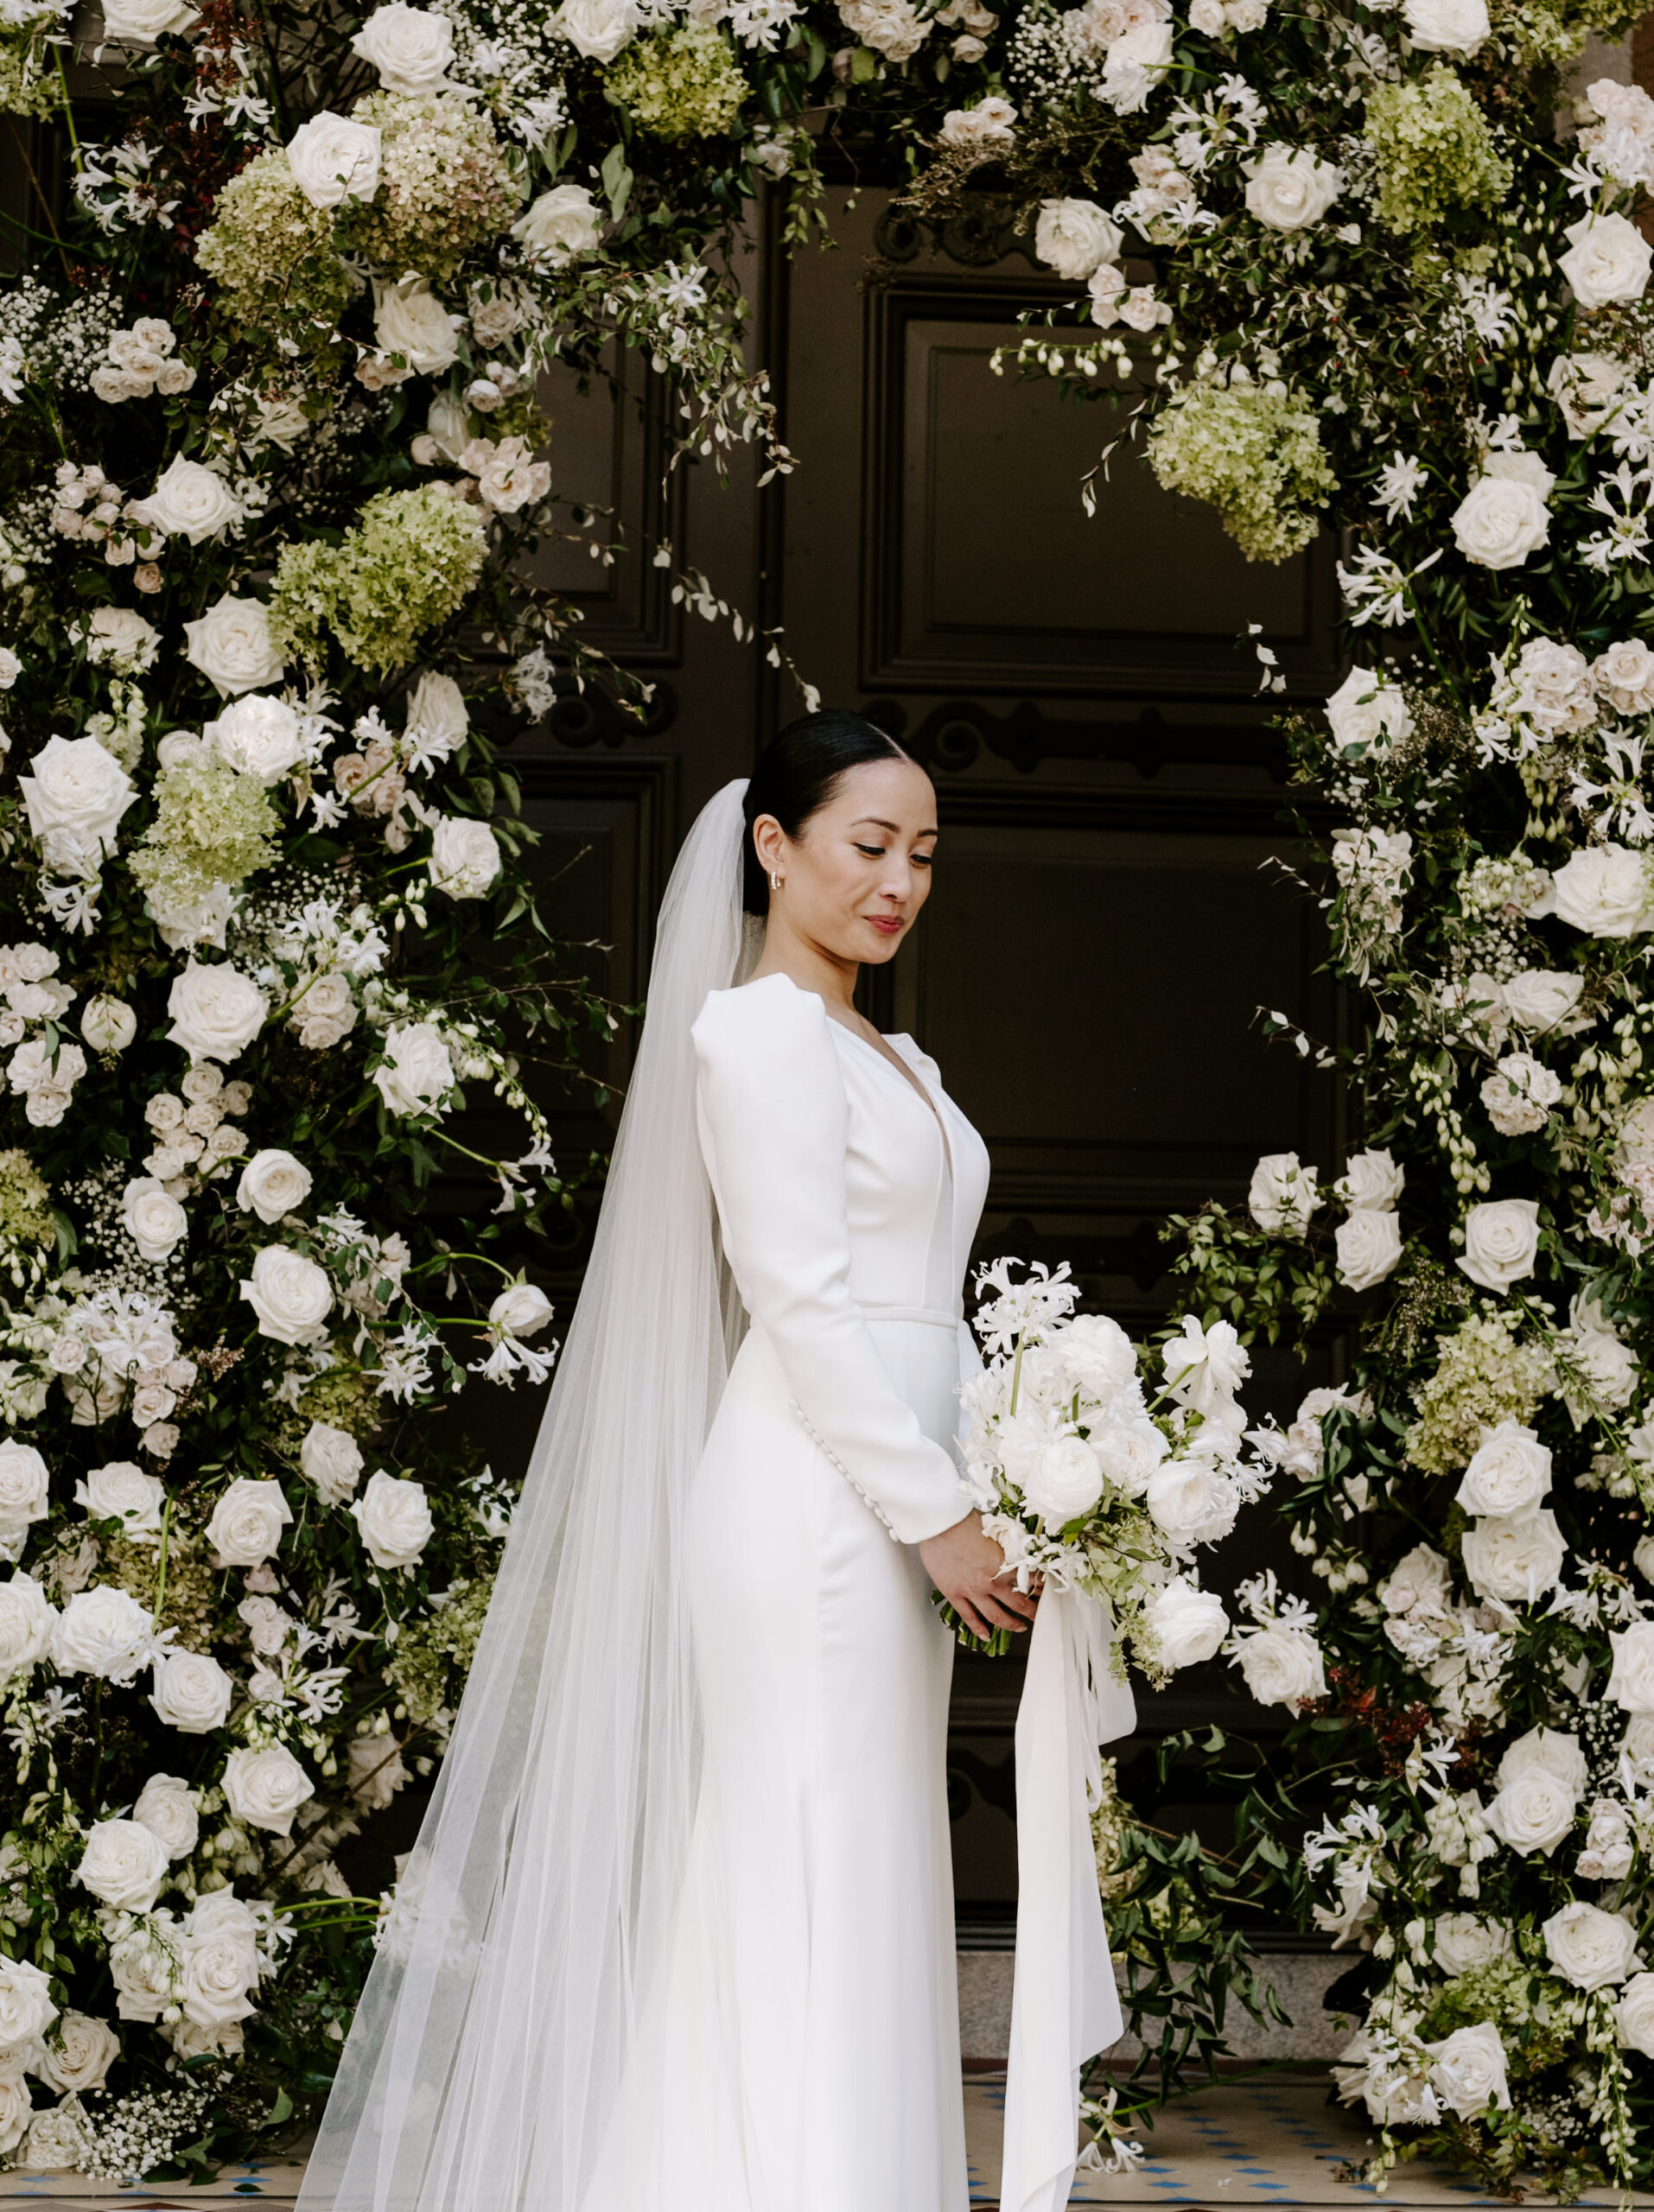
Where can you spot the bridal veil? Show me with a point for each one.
(488, 2048)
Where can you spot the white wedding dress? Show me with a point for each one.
(799, 2051)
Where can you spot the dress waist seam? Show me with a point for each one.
(931, 1315)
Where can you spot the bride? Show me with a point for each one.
(677, 1935)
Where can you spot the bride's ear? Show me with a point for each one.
(769, 840)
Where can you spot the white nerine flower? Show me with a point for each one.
(1590, 1948)
(1188, 1623)
(247, 1522)
(1288, 187)
(266, 1788)
(1501, 1242)
(124, 1864)
(410, 48)
(395, 1520)
(334, 159)
(273, 1183)
(1206, 1367)
(291, 1295)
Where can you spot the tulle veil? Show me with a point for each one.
(488, 2049)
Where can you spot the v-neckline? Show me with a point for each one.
(910, 1074)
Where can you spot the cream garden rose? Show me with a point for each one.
(246, 1523)
(1630, 1682)
(191, 1692)
(77, 2053)
(266, 1788)
(1367, 711)
(191, 501)
(410, 48)
(27, 1619)
(1588, 1947)
(1283, 1195)
(1189, 1624)
(1464, 1943)
(26, 2006)
(216, 1010)
(166, 1805)
(465, 858)
(1190, 1501)
(258, 736)
(1064, 1481)
(155, 1221)
(395, 1520)
(1516, 1559)
(417, 1072)
(1369, 1247)
(77, 789)
(1075, 238)
(291, 1295)
(1605, 891)
(104, 1632)
(1509, 1473)
(1607, 260)
(108, 1025)
(124, 1864)
(1501, 1242)
(1280, 1665)
(219, 1948)
(1634, 2014)
(273, 1183)
(122, 1491)
(1540, 999)
(231, 645)
(1447, 26)
(597, 28)
(409, 320)
(24, 1484)
(334, 158)
(140, 22)
(331, 1458)
(559, 223)
(1289, 188)
(1500, 521)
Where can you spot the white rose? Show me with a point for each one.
(520, 1309)
(122, 1491)
(1281, 1666)
(191, 502)
(1188, 1623)
(59, 2140)
(410, 48)
(436, 710)
(108, 1025)
(155, 1223)
(1539, 998)
(395, 1520)
(265, 1789)
(1501, 1242)
(247, 1522)
(216, 1011)
(140, 23)
(1606, 1370)
(166, 1805)
(1547, 1750)
(191, 1692)
(272, 1183)
(1509, 1473)
(332, 159)
(103, 1633)
(1624, 675)
(1468, 2074)
(1283, 1195)
(1499, 522)
(409, 319)
(1533, 1812)
(24, 1485)
(1288, 187)
(1463, 1943)
(1519, 1559)
(77, 789)
(417, 1073)
(597, 28)
(1603, 890)
(1634, 2014)
(26, 2006)
(27, 1619)
(324, 1012)
(124, 1864)
(258, 736)
(219, 1954)
(560, 223)
(1519, 1095)
(1446, 27)
(1130, 1451)
(78, 2054)
(1190, 1501)
(1607, 260)
(464, 857)
(1371, 1183)
(1365, 710)
(1097, 1356)
(231, 645)
(291, 1296)
(120, 635)
(1630, 1684)
(1588, 1947)
(332, 1459)
(16, 2110)
(1075, 238)
(1063, 1482)
(1369, 1246)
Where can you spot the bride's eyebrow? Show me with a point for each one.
(874, 821)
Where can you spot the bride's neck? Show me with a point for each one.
(811, 966)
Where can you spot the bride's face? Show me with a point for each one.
(855, 877)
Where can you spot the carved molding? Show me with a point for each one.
(952, 736)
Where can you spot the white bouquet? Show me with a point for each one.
(1084, 1483)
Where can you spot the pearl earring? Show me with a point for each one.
(775, 881)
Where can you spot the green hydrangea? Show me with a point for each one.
(433, 1657)
(190, 1602)
(211, 826)
(680, 84)
(1484, 1377)
(25, 1202)
(445, 184)
(1435, 151)
(1255, 454)
(273, 253)
(29, 81)
(408, 566)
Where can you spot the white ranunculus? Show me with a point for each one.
(409, 319)
(258, 736)
(1533, 1812)
(247, 1522)
(410, 48)
(395, 1520)
(1607, 260)
(77, 788)
(1501, 1242)
(156, 1224)
(24, 1484)
(216, 1010)
(464, 857)
(265, 1789)
(104, 1632)
(1188, 1623)
(1539, 998)
(1447, 26)
(1588, 1947)
(1468, 2074)
(291, 1296)
(597, 28)
(332, 1459)
(1190, 1501)
(417, 1073)
(1500, 521)
(1464, 1943)
(1288, 187)
(108, 1025)
(27, 1619)
(1283, 1195)
(1369, 1246)
(218, 1953)
(124, 1864)
(1630, 1684)
(559, 223)
(123, 1492)
(26, 2006)
(1281, 1666)
(1509, 1473)
(1365, 710)
(1603, 890)
(519, 1310)
(231, 645)
(191, 502)
(1075, 238)
(79, 2054)
(334, 159)
(272, 1183)
(1518, 1558)
(1634, 2014)
(166, 1805)
(191, 1692)
(1129, 1451)
(1064, 1482)
(1624, 675)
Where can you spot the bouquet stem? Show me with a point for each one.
(993, 1647)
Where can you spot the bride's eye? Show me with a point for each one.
(873, 852)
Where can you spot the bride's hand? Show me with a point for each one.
(968, 1567)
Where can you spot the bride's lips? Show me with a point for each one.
(888, 923)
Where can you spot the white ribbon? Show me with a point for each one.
(1063, 2006)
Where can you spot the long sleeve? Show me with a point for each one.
(774, 1124)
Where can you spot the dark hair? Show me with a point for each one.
(797, 775)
